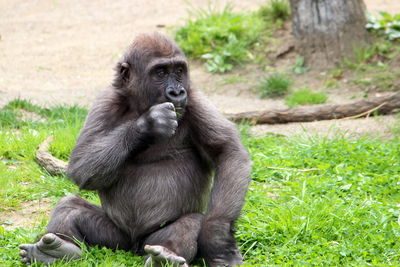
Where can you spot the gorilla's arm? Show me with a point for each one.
(107, 140)
(221, 141)
(102, 146)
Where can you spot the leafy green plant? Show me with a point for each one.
(221, 38)
(275, 85)
(305, 96)
(275, 10)
(387, 24)
(226, 58)
(298, 67)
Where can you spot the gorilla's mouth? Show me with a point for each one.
(177, 95)
(179, 109)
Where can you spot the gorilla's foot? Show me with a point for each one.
(48, 249)
(159, 255)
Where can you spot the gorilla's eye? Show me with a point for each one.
(160, 73)
(179, 70)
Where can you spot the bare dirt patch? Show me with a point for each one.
(56, 52)
(391, 6)
(31, 214)
(330, 128)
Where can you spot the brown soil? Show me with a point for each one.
(373, 126)
(30, 214)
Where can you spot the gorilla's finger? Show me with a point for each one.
(166, 105)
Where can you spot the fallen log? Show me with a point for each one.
(360, 108)
(51, 164)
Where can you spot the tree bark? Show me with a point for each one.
(328, 30)
(360, 108)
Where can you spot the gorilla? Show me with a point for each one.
(170, 170)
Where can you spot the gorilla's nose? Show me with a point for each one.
(175, 94)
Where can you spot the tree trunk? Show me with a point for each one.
(328, 30)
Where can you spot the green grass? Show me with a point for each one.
(345, 213)
(305, 96)
(20, 177)
(275, 85)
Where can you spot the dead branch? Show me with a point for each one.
(51, 164)
(360, 108)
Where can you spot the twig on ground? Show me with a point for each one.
(51, 164)
(366, 113)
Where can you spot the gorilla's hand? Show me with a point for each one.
(160, 121)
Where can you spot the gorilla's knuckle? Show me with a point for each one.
(160, 120)
(174, 124)
(170, 106)
(171, 115)
(154, 115)
(152, 108)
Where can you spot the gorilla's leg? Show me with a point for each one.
(74, 219)
(176, 243)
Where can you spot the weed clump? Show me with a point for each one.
(275, 85)
(305, 96)
(221, 39)
(387, 25)
(275, 10)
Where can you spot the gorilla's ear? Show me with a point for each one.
(122, 75)
(124, 71)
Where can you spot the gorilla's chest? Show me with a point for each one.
(168, 150)
(174, 149)
(160, 184)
